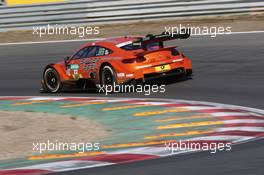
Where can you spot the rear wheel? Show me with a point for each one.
(52, 80)
(108, 77)
(189, 72)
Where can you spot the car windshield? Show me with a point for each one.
(131, 46)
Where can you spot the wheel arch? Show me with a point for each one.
(60, 70)
(102, 65)
(101, 68)
(49, 66)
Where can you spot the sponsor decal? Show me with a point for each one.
(75, 72)
(129, 75)
(163, 68)
(74, 67)
(68, 72)
(120, 74)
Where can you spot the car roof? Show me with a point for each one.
(114, 40)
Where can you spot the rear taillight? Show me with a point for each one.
(134, 60)
(128, 61)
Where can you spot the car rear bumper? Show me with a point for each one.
(178, 72)
(152, 71)
(174, 72)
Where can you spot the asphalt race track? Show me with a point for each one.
(227, 69)
(243, 160)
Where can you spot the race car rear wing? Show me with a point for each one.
(148, 39)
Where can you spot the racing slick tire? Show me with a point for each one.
(51, 80)
(108, 78)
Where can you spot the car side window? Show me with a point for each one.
(81, 53)
(101, 51)
(91, 52)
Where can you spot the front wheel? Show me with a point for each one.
(52, 80)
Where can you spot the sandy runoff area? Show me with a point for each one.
(19, 130)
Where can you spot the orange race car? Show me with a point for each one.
(118, 60)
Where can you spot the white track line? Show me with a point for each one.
(222, 138)
(152, 103)
(55, 41)
(44, 98)
(242, 128)
(242, 121)
(94, 39)
(148, 150)
(67, 165)
(223, 114)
